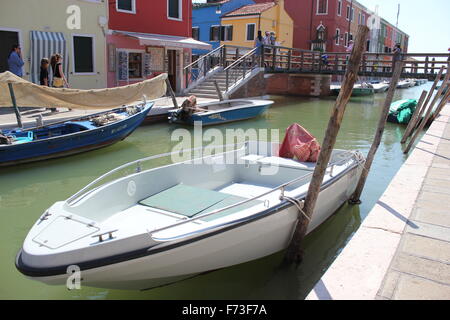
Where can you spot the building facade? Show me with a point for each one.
(328, 25)
(207, 24)
(146, 38)
(75, 29)
(247, 20)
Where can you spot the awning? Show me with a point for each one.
(149, 39)
(44, 45)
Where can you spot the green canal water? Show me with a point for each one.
(26, 191)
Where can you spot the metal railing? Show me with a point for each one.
(222, 56)
(416, 65)
(239, 69)
(356, 156)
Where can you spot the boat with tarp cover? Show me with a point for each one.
(79, 134)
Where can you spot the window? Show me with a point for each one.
(128, 6)
(196, 33)
(353, 14)
(250, 32)
(337, 36)
(346, 39)
(226, 33)
(368, 45)
(363, 19)
(348, 13)
(339, 8)
(214, 33)
(322, 7)
(135, 65)
(359, 18)
(174, 9)
(83, 54)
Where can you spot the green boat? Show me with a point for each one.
(401, 111)
(357, 91)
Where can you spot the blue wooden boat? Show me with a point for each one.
(70, 137)
(221, 112)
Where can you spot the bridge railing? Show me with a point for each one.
(222, 56)
(240, 68)
(278, 58)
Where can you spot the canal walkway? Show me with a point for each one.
(402, 249)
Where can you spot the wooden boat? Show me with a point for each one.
(221, 112)
(157, 226)
(71, 137)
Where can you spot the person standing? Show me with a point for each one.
(258, 44)
(59, 79)
(43, 77)
(15, 61)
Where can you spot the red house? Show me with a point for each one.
(146, 38)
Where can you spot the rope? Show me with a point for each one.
(297, 203)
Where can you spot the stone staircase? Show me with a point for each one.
(207, 89)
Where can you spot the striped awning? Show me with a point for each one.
(44, 45)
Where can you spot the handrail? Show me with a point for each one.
(205, 56)
(139, 161)
(280, 187)
(238, 61)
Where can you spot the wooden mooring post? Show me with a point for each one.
(426, 120)
(172, 94)
(442, 104)
(355, 199)
(420, 108)
(293, 253)
(415, 122)
(14, 103)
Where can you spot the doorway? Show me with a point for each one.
(172, 68)
(7, 39)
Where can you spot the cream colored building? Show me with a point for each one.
(247, 20)
(74, 28)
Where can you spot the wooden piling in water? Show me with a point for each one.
(425, 120)
(172, 94)
(293, 253)
(441, 105)
(14, 103)
(420, 109)
(355, 199)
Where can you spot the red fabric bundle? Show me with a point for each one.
(299, 143)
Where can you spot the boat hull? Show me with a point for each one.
(225, 115)
(70, 144)
(234, 244)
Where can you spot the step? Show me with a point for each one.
(201, 95)
(205, 91)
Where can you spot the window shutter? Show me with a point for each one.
(222, 33)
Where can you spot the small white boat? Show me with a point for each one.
(156, 226)
(403, 84)
(380, 87)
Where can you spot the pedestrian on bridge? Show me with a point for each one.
(397, 55)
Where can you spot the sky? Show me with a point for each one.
(427, 22)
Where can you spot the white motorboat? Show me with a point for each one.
(403, 84)
(380, 87)
(156, 226)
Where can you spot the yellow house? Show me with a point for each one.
(247, 20)
(74, 28)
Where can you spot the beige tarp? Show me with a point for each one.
(29, 94)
